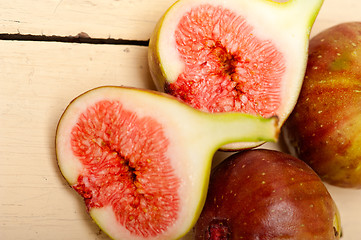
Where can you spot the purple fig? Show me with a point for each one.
(324, 129)
(266, 194)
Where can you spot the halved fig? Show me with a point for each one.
(233, 56)
(141, 159)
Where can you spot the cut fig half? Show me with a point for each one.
(141, 159)
(234, 56)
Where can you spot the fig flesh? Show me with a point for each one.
(266, 194)
(141, 159)
(324, 128)
(233, 56)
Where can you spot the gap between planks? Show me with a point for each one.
(79, 38)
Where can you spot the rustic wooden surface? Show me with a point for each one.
(39, 78)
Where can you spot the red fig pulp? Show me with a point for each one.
(226, 66)
(126, 167)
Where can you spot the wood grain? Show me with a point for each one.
(125, 19)
(118, 19)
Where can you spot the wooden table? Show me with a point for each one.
(40, 73)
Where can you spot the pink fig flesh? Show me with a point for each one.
(133, 182)
(226, 67)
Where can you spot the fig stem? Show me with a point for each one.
(238, 127)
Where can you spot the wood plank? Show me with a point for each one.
(38, 80)
(98, 18)
(123, 19)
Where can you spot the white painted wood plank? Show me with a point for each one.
(98, 18)
(38, 80)
(124, 19)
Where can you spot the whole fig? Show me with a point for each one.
(266, 194)
(324, 129)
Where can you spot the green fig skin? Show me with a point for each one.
(324, 128)
(266, 194)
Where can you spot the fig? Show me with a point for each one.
(324, 128)
(141, 159)
(233, 56)
(267, 194)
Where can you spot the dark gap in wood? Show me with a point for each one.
(80, 38)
